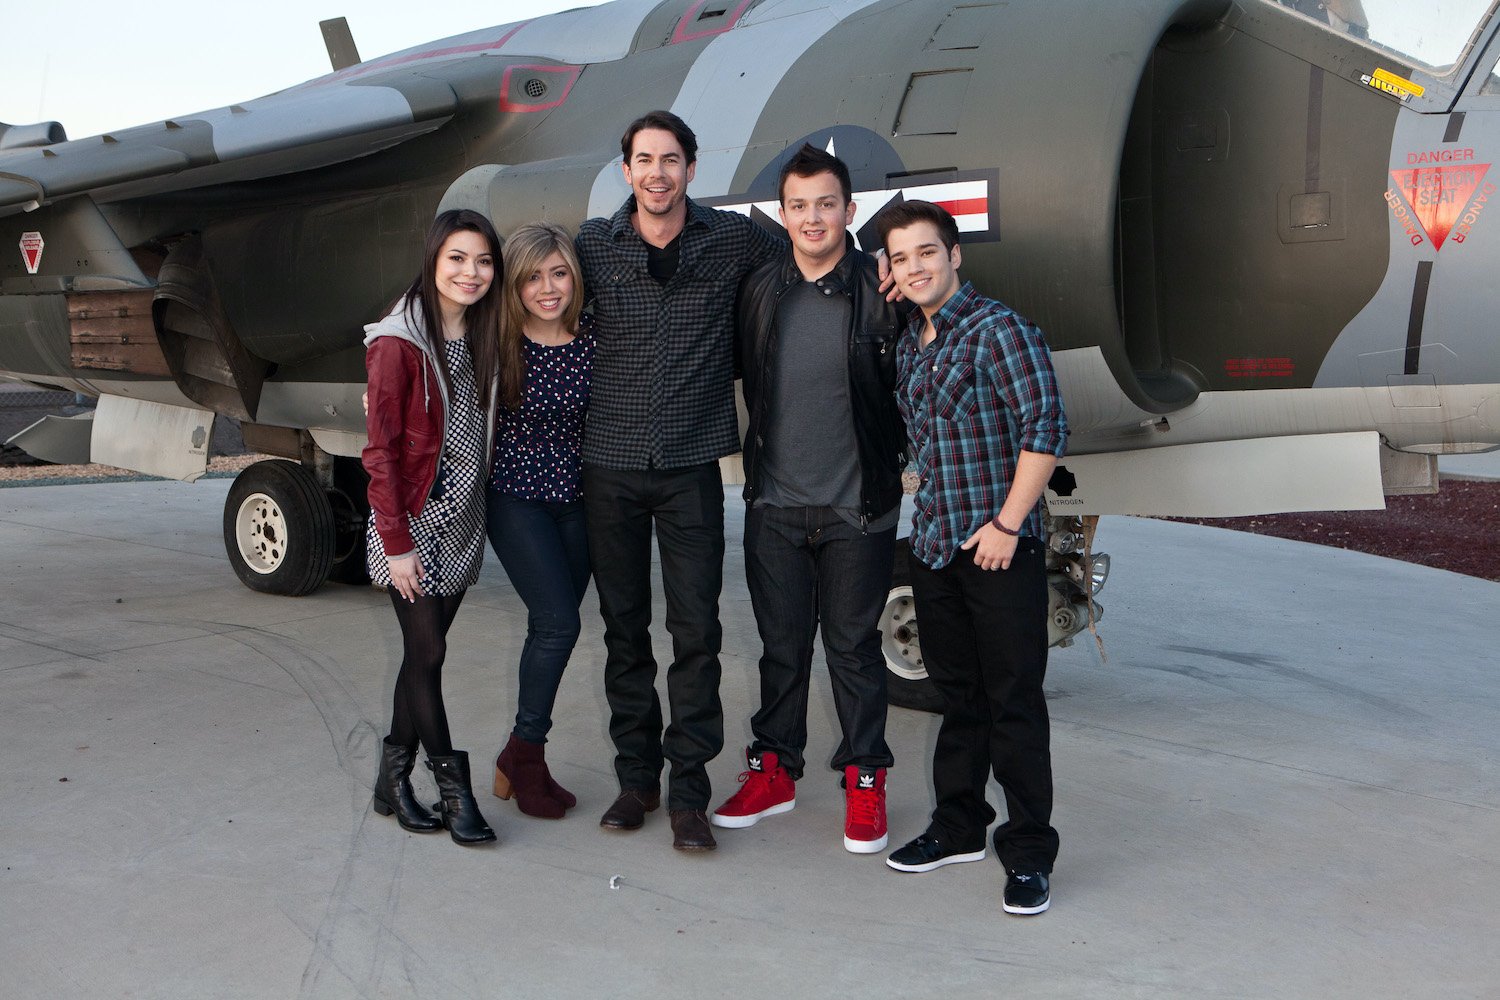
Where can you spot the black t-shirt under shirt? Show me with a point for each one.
(662, 261)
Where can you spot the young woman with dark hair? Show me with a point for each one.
(535, 514)
(432, 366)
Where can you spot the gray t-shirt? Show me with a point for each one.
(810, 457)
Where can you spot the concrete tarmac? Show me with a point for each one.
(1284, 782)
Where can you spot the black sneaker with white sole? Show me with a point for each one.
(926, 853)
(1026, 893)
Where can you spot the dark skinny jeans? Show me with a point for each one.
(545, 551)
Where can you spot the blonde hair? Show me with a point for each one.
(524, 251)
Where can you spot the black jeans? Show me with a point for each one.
(809, 568)
(687, 508)
(544, 548)
(984, 640)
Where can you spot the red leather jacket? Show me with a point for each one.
(405, 423)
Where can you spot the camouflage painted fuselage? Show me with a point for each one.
(1212, 212)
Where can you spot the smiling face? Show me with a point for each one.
(815, 215)
(925, 270)
(547, 292)
(658, 172)
(464, 269)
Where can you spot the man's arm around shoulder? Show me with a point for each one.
(758, 245)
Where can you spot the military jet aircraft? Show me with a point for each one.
(1256, 233)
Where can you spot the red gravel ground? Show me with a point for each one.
(1456, 529)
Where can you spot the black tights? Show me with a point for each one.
(418, 714)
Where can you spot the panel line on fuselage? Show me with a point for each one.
(1418, 317)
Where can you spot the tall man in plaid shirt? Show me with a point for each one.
(976, 387)
(662, 275)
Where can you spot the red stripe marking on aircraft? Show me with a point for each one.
(506, 104)
(683, 33)
(965, 206)
(1259, 367)
(392, 61)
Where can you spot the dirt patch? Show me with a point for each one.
(1457, 528)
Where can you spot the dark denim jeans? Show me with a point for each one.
(984, 640)
(809, 568)
(686, 506)
(545, 551)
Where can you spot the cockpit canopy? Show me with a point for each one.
(1432, 35)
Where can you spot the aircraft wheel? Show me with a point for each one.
(907, 683)
(279, 529)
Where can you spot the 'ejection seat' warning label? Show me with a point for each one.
(1437, 201)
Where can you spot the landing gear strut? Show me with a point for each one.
(1072, 580)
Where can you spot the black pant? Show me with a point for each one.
(984, 640)
(807, 567)
(687, 509)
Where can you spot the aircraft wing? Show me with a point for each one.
(317, 124)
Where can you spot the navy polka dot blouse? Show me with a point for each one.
(537, 448)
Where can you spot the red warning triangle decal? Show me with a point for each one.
(31, 251)
(1437, 195)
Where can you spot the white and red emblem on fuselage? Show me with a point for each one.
(31, 251)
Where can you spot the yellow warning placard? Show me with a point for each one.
(1384, 79)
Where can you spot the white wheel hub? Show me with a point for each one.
(260, 528)
(898, 636)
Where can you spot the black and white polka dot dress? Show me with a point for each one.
(449, 533)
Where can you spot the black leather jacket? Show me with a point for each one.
(876, 326)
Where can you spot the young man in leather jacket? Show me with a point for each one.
(823, 458)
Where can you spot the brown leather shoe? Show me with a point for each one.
(630, 809)
(691, 832)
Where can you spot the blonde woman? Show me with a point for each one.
(535, 508)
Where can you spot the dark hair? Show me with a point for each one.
(909, 213)
(809, 161)
(667, 122)
(481, 320)
(525, 250)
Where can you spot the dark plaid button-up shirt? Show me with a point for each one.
(980, 394)
(663, 391)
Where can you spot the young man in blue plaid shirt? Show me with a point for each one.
(976, 387)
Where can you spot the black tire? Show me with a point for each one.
(278, 529)
(349, 499)
(907, 683)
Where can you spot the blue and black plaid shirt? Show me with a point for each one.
(980, 394)
(663, 390)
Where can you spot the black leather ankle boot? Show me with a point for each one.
(460, 813)
(393, 790)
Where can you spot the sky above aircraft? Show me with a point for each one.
(105, 65)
